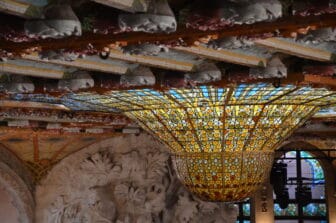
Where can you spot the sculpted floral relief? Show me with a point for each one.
(123, 180)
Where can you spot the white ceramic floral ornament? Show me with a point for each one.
(145, 49)
(139, 76)
(76, 81)
(275, 69)
(158, 18)
(59, 21)
(206, 72)
(16, 84)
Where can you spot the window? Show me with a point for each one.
(303, 170)
(244, 212)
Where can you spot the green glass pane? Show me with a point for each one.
(246, 209)
(315, 210)
(291, 210)
(315, 167)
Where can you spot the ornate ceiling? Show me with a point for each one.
(53, 51)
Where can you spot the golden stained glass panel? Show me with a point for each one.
(221, 139)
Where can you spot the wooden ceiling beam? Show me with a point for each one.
(31, 68)
(289, 46)
(31, 104)
(284, 26)
(106, 83)
(92, 63)
(320, 69)
(230, 56)
(21, 8)
(320, 80)
(167, 60)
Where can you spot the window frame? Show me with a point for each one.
(300, 217)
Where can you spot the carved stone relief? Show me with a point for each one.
(126, 179)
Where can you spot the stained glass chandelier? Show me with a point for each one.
(222, 140)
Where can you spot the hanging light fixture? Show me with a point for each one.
(222, 140)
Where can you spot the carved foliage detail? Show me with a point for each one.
(124, 180)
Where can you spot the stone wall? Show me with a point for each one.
(16, 185)
(8, 212)
(126, 179)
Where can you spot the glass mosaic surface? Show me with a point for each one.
(315, 171)
(246, 209)
(291, 210)
(208, 119)
(225, 176)
(221, 139)
(315, 210)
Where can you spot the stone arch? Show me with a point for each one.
(16, 181)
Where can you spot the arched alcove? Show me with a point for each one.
(16, 189)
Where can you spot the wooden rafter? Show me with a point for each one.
(226, 55)
(93, 63)
(320, 80)
(31, 104)
(167, 62)
(20, 8)
(285, 26)
(30, 68)
(301, 50)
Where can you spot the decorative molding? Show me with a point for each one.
(64, 116)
